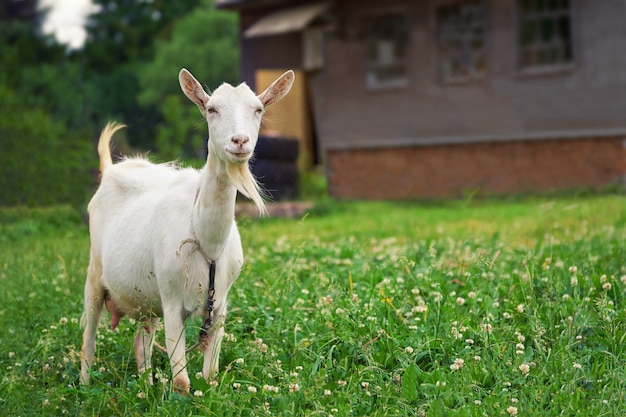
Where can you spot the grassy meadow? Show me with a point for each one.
(484, 308)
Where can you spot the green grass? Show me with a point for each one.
(359, 309)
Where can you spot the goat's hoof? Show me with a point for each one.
(180, 385)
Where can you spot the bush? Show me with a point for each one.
(41, 162)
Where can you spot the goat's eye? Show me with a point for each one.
(211, 110)
(259, 111)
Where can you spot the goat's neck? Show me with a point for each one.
(214, 209)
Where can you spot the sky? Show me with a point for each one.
(66, 20)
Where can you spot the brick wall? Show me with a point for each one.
(441, 171)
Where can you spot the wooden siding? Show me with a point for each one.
(589, 95)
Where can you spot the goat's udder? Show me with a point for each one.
(115, 312)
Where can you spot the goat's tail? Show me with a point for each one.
(104, 144)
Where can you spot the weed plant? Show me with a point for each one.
(357, 309)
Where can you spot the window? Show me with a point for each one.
(462, 41)
(544, 33)
(386, 38)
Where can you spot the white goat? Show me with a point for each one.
(155, 231)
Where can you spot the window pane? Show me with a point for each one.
(462, 31)
(544, 33)
(385, 36)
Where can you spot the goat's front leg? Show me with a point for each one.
(213, 343)
(144, 340)
(174, 325)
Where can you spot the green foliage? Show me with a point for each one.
(181, 134)
(124, 31)
(59, 100)
(205, 42)
(377, 309)
(40, 162)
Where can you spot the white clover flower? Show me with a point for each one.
(239, 361)
(252, 389)
(408, 349)
(577, 366)
(573, 281)
(471, 294)
(606, 286)
(460, 301)
(422, 308)
(520, 308)
(458, 364)
(525, 368)
(63, 320)
(141, 394)
(573, 269)
(198, 393)
(512, 411)
(294, 387)
(236, 385)
(328, 392)
(342, 383)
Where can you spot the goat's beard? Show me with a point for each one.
(241, 177)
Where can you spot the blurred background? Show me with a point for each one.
(402, 99)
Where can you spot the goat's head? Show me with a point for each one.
(234, 114)
(234, 117)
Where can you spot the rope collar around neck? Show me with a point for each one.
(206, 325)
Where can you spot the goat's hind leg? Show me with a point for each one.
(144, 341)
(94, 300)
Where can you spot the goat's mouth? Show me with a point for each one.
(240, 155)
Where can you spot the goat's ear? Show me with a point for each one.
(193, 90)
(278, 89)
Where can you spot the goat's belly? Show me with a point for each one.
(137, 307)
(135, 296)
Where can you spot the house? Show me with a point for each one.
(414, 99)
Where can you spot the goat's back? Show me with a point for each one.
(136, 191)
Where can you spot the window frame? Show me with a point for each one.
(369, 66)
(462, 79)
(549, 68)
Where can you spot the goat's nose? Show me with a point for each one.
(240, 140)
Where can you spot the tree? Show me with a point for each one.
(121, 38)
(206, 43)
